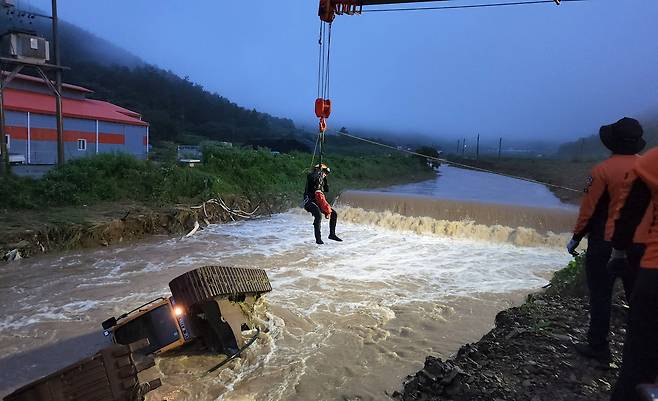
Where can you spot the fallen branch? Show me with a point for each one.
(194, 230)
(232, 213)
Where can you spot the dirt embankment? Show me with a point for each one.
(33, 232)
(527, 356)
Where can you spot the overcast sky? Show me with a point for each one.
(538, 71)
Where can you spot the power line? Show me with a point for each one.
(515, 3)
(446, 161)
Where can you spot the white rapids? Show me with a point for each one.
(347, 321)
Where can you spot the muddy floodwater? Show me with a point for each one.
(460, 184)
(346, 321)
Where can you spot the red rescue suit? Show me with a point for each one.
(322, 203)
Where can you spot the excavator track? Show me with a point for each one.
(208, 282)
(108, 375)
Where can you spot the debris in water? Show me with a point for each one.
(194, 230)
(13, 255)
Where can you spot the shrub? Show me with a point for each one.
(257, 174)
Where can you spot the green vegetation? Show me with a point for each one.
(255, 174)
(571, 278)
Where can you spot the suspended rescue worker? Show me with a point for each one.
(596, 220)
(640, 358)
(316, 203)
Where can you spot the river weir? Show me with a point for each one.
(345, 321)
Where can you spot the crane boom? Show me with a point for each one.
(380, 2)
(330, 8)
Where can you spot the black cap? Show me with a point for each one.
(623, 137)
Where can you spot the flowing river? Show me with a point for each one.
(346, 321)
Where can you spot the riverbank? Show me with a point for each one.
(529, 354)
(110, 199)
(566, 173)
(34, 232)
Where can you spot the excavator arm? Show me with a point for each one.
(330, 8)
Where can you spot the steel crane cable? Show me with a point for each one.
(482, 5)
(324, 70)
(320, 64)
(315, 149)
(326, 92)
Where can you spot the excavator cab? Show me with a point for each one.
(159, 321)
(212, 304)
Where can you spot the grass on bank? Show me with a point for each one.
(256, 174)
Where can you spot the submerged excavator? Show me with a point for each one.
(211, 307)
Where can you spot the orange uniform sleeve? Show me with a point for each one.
(596, 187)
(321, 201)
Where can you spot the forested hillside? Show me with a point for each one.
(178, 110)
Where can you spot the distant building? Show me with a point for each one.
(90, 126)
(189, 154)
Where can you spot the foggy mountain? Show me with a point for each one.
(591, 148)
(177, 109)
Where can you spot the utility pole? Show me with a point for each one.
(458, 143)
(58, 86)
(40, 65)
(464, 147)
(477, 149)
(4, 164)
(500, 146)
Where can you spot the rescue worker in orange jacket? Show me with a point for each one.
(316, 203)
(602, 196)
(640, 359)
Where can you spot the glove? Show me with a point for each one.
(618, 263)
(572, 245)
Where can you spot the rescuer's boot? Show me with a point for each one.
(600, 353)
(318, 235)
(332, 227)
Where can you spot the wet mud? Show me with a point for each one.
(527, 356)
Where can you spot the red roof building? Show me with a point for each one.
(90, 126)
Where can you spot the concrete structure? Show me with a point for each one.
(90, 126)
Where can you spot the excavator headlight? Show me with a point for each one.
(178, 311)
